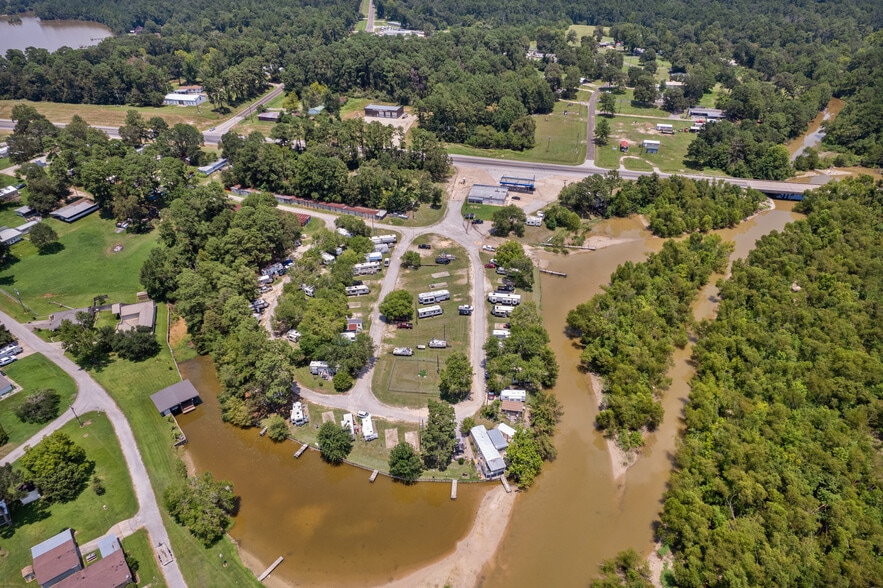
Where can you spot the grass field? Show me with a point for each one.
(131, 385)
(410, 381)
(249, 125)
(33, 372)
(483, 211)
(90, 515)
(85, 267)
(625, 104)
(115, 116)
(137, 547)
(5, 162)
(585, 31)
(673, 148)
(423, 216)
(560, 138)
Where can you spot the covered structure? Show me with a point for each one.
(211, 168)
(182, 99)
(56, 558)
(490, 460)
(383, 111)
(708, 113)
(491, 195)
(507, 431)
(140, 314)
(518, 184)
(177, 398)
(75, 211)
(9, 236)
(650, 146)
(270, 116)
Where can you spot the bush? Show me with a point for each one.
(98, 486)
(467, 425)
(334, 442)
(342, 381)
(39, 407)
(277, 428)
(135, 345)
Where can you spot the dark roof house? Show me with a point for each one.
(382, 111)
(180, 397)
(56, 318)
(75, 211)
(56, 558)
(140, 314)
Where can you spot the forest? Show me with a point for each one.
(630, 330)
(778, 479)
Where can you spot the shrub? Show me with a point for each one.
(41, 406)
(342, 381)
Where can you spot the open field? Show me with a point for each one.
(90, 267)
(33, 372)
(5, 162)
(560, 138)
(585, 31)
(90, 515)
(423, 216)
(137, 546)
(115, 116)
(483, 211)
(410, 381)
(131, 384)
(625, 104)
(252, 124)
(709, 98)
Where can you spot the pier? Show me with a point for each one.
(505, 485)
(373, 476)
(300, 451)
(553, 273)
(454, 490)
(263, 431)
(270, 569)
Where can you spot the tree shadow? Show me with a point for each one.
(51, 248)
(8, 261)
(25, 515)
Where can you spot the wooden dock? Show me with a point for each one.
(454, 490)
(505, 484)
(300, 451)
(263, 431)
(553, 273)
(373, 476)
(270, 569)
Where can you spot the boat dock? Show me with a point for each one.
(270, 569)
(300, 451)
(263, 431)
(454, 490)
(553, 273)
(373, 476)
(505, 484)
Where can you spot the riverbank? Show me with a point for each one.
(620, 460)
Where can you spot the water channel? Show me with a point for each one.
(49, 34)
(334, 528)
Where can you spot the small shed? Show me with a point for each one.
(624, 146)
(383, 111)
(316, 110)
(270, 116)
(177, 398)
(507, 431)
(650, 146)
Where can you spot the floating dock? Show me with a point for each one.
(270, 569)
(505, 484)
(263, 431)
(454, 490)
(373, 476)
(300, 451)
(553, 273)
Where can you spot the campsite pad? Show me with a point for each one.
(328, 417)
(412, 440)
(392, 438)
(441, 274)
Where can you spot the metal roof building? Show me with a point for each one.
(75, 211)
(484, 194)
(492, 464)
(383, 111)
(180, 397)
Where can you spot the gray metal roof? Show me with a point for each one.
(497, 439)
(486, 448)
(76, 209)
(170, 397)
(51, 543)
(383, 107)
(489, 193)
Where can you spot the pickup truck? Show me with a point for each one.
(465, 309)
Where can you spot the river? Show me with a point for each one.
(49, 34)
(814, 133)
(334, 528)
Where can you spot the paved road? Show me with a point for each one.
(369, 27)
(92, 397)
(590, 127)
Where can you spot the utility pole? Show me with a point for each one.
(76, 416)
(18, 295)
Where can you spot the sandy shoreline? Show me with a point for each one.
(620, 461)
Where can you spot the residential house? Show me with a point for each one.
(140, 314)
(512, 409)
(489, 458)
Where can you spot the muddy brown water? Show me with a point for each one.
(814, 133)
(330, 524)
(334, 528)
(50, 34)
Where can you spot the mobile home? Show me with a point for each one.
(348, 424)
(366, 269)
(504, 298)
(429, 311)
(357, 290)
(500, 333)
(374, 256)
(298, 416)
(433, 297)
(534, 221)
(368, 432)
(502, 311)
(387, 239)
(327, 258)
(665, 129)
(517, 395)
(438, 344)
(318, 366)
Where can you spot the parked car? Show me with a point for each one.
(490, 248)
(477, 221)
(264, 289)
(442, 260)
(505, 288)
(516, 198)
(6, 360)
(362, 414)
(404, 325)
(469, 216)
(490, 265)
(424, 246)
(465, 309)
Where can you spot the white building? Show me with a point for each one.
(176, 99)
(492, 464)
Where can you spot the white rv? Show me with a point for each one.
(298, 416)
(438, 344)
(387, 239)
(368, 432)
(357, 290)
(501, 333)
(517, 395)
(504, 298)
(433, 297)
(406, 351)
(502, 311)
(366, 269)
(429, 311)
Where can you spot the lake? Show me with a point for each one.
(49, 34)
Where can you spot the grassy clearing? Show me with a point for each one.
(411, 381)
(673, 148)
(483, 211)
(91, 267)
(137, 546)
(354, 107)
(636, 164)
(131, 385)
(423, 216)
(89, 515)
(33, 372)
(252, 124)
(625, 104)
(709, 98)
(560, 138)
(5, 162)
(115, 116)
(585, 31)
(276, 103)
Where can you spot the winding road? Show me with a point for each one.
(92, 397)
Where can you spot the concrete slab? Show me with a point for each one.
(413, 439)
(441, 274)
(328, 417)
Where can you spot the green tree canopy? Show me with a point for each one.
(523, 459)
(398, 305)
(203, 505)
(58, 467)
(40, 406)
(334, 442)
(456, 378)
(404, 462)
(43, 237)
(439, 435)
(509, 219)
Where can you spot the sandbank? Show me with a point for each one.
(620, 460)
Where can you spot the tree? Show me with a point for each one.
(404, 462)
(41, 406)
(509, 219)
(607, 103)
(334, 442)
(58, 467)
(602, 131)
(203, 505)
(10, 480)
(673, 100)
(353, 224)
(134, 131)
(439, 436)
(135, 345)
(523, 459)
(411, 259)
(277, 428)
(43, 237)
(342, 381)
(398, 305)
(456, 378)
(627, 570)
(4, 436)
(645, 89)
(508, 252)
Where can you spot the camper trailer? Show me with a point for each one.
(357, 290)
(501, 311)
(534, 221)
(438, 344)
(404, 351)
(504, 298)
(386, 239)
(516, 395)
(665, 129)
(298, 415)
(433, 297)
(368, 432)
(500, 333)
(429, 311)
(368, 268)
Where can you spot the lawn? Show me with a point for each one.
(252, 124)
(115, 116)
(560, 138)
(4, 163)
(90, 515)
(423, 216)
(410, 381)
(31, 373)
(585, 31)
(91, 267)
(673, 148)
(484, 212)
(137, 547)
(625, 104)
(131, 385)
